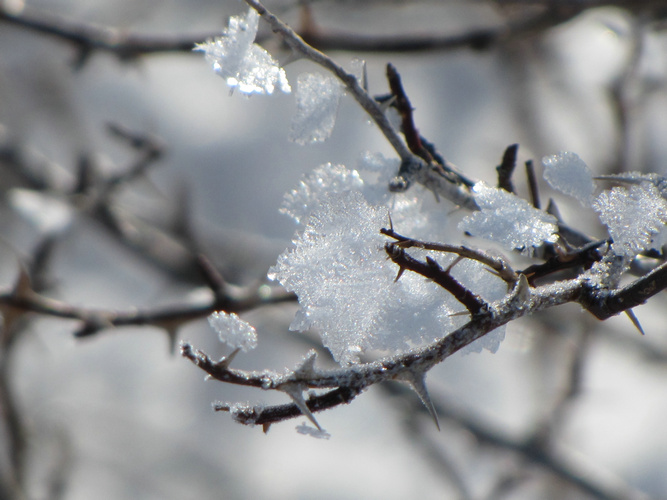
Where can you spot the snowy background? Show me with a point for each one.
(127, 419)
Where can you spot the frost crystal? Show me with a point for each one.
(323, 181)
(568, 173)
(509, 220)
(317, 98)
(242, 63)
(233, 331)
(339, 270)
(633, 216)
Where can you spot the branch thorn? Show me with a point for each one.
(417, 381)
(630, 314)
(295, 392)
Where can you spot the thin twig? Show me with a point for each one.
(506, 168)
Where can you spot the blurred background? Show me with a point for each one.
(116, 168)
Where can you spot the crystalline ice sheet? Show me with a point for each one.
(324, 181)
(568, 173)
(233, 331)
(345, 284)
(634, 216)
(317, 98)
(243, 64)
(508, 220)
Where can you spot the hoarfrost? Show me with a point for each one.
(242, 63)
(509, 220)
(345, 284)
(317, 98)
(568, 173)
(323, 181)
(233, 331)
(408, 210)
(634, 216)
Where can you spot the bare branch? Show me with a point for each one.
(88, 38)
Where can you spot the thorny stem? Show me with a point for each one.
(432, 271)
(404, 108)
(359, 377)
(365, 100)
(498, 265)
(168, 317)
(432, 176)
(522, 301)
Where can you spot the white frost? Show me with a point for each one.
(634, 216)
(568, 173)
(509, 220)
(325, 180)
(242, 63)
(233, 331)
(317, 98)
(339, 270)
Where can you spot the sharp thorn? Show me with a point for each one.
(418, 383)
(295, 392)
(630, 314)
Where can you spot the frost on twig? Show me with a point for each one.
(509, 220)
(242, 63)
(233, 331)
(634, 216)
(335, 261)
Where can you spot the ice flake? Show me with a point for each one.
(568, 173)
(317, 98)
(233, 331)
(242, 63)
(345, 284)
(634, 216)
(323, 181)
(509, 220)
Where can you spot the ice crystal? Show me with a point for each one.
(339, 270)
(634, 216)
(317, 98)
(568, 173)
(509, 220)
(325, 180)
(242, 63)
(233, 331)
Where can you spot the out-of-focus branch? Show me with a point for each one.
(22, 301)
(88, 38)
(531, 452)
